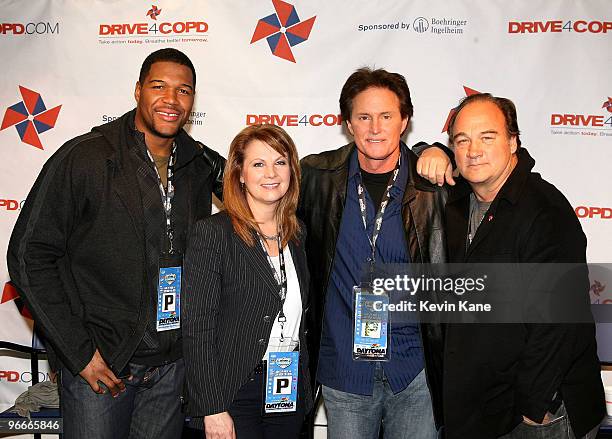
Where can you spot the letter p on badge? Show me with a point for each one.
(169, 299)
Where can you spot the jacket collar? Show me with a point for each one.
(333, 160)
(511, 189)
(457, 209)
(354, 171)
(119, 136)
(125, 184)
(339, 159)
(118, 133)
(415, 183)
(258, 259)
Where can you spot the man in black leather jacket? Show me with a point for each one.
(376, 107)
(86, 250)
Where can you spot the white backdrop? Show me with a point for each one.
(553, 59)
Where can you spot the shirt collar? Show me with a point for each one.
(186, 148)
(402, 178)
(139, 138)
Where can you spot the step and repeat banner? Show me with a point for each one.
(70, 65)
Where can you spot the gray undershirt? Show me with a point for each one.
(478, 210)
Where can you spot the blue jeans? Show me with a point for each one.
(150, 407)
(407, 414)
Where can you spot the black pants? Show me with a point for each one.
(247, 408)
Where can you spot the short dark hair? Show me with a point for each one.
(365, 78)
(505, 105)
(168, 55)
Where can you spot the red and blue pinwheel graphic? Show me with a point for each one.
(30, 117)
(468, 92)
(153, 12)
(10, 293)
(283, 30)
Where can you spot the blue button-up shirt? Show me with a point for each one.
(337, 369)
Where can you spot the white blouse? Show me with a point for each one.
(292, 309)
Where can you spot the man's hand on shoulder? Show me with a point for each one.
(435, 166)
(97, 371)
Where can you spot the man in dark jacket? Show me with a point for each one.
(377, 172)
(523, 380)
(96, 255)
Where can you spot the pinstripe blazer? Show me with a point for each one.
(230, 302)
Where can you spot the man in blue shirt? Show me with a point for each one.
(343, 237)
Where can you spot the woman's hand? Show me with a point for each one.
(219, 426)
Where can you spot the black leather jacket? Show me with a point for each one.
(322, 198)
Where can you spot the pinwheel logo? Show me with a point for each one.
(9, 294)
(30, 117)
(601, 123)
(153, 12)
(468, 92)
(283, 30)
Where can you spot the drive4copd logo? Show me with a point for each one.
(283, 30)
(30, 117)
(580, 124)
(161, 29)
